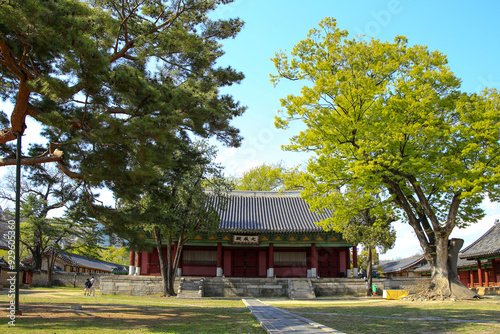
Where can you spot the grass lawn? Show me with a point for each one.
(396, 316)
(49, 311)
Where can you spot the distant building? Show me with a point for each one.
(485, 252)
(76, 263)
(403, 267)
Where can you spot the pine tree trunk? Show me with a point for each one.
(37, 259)
(161, 257)
(37, 250)
(175, 265)
(50, 267)
(170, 274)
(171, 282)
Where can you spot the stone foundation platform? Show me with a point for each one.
(257, 287)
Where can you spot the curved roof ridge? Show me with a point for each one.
(250, 211)
(487, 244)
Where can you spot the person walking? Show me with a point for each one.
(88, 285)
(92, 286)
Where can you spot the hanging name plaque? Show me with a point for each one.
(246, 239)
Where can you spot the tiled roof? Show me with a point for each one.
(461, 263)
(3, 243)
(255, 211)
(487, 245)
(82, 261)
(402, 265)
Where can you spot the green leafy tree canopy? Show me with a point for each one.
(389, 118)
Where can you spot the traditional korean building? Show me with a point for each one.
(76, 263)
(485, 252)
(261, 234)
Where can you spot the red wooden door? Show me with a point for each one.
(245, 263)
(328, 263)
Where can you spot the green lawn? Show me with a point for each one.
(396, 316)
(49, 311)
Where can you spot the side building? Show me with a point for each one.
(485, 252)
(261, 234)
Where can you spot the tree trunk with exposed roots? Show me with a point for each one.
(445, 282)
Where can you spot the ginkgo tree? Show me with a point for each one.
(390, 118)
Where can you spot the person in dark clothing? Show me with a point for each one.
(88, 286)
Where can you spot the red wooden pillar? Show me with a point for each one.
(486, 277)
(479, 272)
(342, 264)
(148, 262)
(131, 268)
(355, 261)
(348, 262)
(262, 263)
(471, 278)
(228, 268)
(270, 269)
(494, 271)
(314, 261)
(219, 260)
(138, 263)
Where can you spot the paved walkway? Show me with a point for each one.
(275, 320)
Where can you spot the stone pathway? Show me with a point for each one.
(275, 320)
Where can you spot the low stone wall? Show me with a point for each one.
(412, 284)
(133, 285)
(257, 287)
(486, 291)
(66, 279)
(341, 286)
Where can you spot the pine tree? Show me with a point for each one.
(110, 80)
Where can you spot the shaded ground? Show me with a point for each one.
(50, 312)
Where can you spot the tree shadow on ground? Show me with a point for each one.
(98, 318)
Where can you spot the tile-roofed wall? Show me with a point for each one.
(80, 260)
(402, 264)
(251, 211)
(488, 244)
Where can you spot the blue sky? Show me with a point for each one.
(468, 32)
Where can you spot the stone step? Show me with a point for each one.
(190, 289)
(191, 286)
(301, 289)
